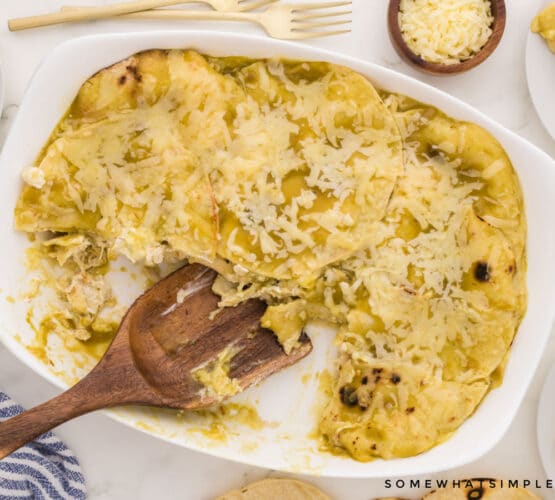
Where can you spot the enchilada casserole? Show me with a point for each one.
(302, 184)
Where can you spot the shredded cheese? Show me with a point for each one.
(34, 177)
(445, 31)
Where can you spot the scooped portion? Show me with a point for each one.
(303, 185)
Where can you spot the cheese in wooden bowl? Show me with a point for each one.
(446, 36)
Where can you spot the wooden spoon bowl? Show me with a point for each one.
(165, 336)
(499, 14)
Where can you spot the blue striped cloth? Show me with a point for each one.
(45, 468)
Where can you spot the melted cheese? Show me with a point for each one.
(215, 376)
(312, 162)
(287, 321)
(445, 31)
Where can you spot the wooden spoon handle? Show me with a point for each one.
(88, 13)
(25, 427)
(114, 381)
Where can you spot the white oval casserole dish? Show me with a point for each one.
(283, 398)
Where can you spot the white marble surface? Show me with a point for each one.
(122, 463)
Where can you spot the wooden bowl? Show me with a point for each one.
(499, 13)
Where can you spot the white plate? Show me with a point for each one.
(546, 429)
(540, 73)
(284, 398)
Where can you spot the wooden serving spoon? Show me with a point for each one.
(161, 339)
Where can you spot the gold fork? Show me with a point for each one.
(279, 20)
(105, 11)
